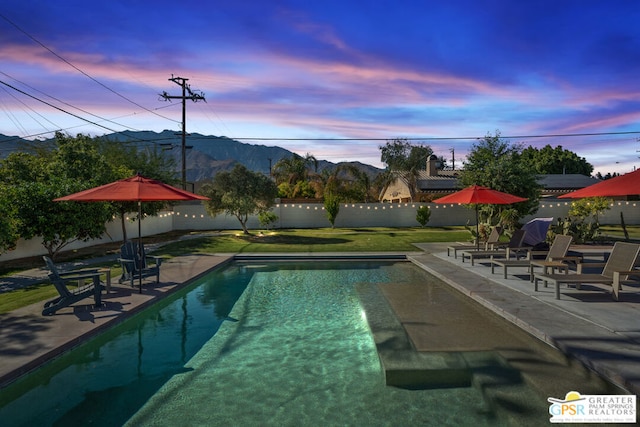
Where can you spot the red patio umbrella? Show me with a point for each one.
(623, 185)
(135, 189)
(479, 195)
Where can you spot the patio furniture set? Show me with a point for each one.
(71, 287)
(556, 265)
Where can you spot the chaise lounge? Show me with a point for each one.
(618, 268)
(554, 258)
(514, 246)
(492, 239)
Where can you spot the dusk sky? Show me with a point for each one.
(336, 79)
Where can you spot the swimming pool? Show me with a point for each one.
(270, 344)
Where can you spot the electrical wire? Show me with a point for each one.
(82, 71)
(444, 138)
(67, 104)
(56, 107)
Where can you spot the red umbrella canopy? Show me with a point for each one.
(623, 185)
(477, 194)
(134, 189)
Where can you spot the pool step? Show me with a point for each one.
(405, 367)
(417, 371)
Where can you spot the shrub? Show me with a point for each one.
(423, 215)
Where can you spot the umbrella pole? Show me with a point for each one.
(477, 230)
(139, 246)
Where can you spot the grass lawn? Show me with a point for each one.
(374, 239)
(318, 240)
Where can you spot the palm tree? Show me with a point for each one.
(293, 169)
(361, 183)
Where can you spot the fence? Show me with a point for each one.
(192, 216)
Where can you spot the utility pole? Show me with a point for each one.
(453, 158)
(187, 93)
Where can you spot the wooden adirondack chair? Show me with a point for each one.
(70, 296)
(136, 265)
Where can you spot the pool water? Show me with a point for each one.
(269, 344)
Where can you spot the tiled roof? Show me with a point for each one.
(551, 183)
(430, 183)
(566, 181)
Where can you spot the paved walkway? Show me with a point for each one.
(603, 334)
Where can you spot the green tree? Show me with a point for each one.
(293, 175)
(583, 222)
(400, 155)
(240, 193)
(404, 160)
(9, 224)
(549, 160)
(293, 169)
(357, 184)
(608, 175)
(497, 164)
(332, 206)
(423, 215)
(266, 218)
(33, 180)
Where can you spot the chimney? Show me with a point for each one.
(432, 165)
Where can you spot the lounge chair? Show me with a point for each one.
(514, 246)
(492, 239)
(136, 265)
(556, 261)
(554, 258)
(70, 296)
(617, 269)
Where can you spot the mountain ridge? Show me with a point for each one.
(206, 154)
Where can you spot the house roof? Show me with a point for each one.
(552, 183)
(570, 181)
(447, 182)
(434, 183)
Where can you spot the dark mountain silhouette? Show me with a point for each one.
(206, 154)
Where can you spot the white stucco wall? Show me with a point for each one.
(149, 226)
(192, 216)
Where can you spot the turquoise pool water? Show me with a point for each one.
(268, 344)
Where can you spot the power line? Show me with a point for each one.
(15, 120)
(56, 107)
(443, 138)
(81, 71)
(69, 105)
